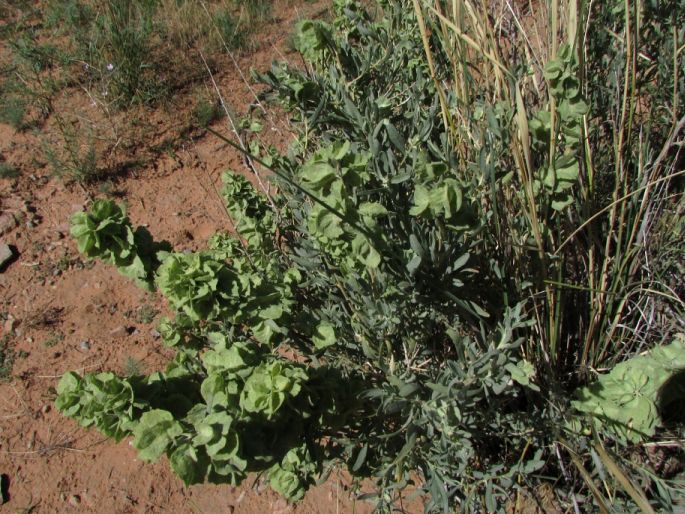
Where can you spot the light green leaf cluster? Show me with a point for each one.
(625, 400)
(293, 475)
(562, 76)
(441, 199)
(253, 218)
(523, 373)
(557, 179)
(270, 385)
(313, 38)
(103, 400)
(203, 287)
(245, 416)
(154, 433)
(217, 432)
(106, 233)
(345, 227)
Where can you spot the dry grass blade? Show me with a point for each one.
(596, 493)
(628, 486)
(607, 208)
(446, 117)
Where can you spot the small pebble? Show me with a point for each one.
(74, 500)
(7, 222)
(45, 409)
(85, 345)
(10, 325)
(155, 334)
(119, 331)
(6, 254)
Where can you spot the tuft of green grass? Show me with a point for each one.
(206, 112)
(258, 11)
(133, 367)
(127, 29)
(55, 337)
(231, 29)
(146, 314)
(13, 112)
(75, 157)
(6, 357)
(7, 170)
(39, 57)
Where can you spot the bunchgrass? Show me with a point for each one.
(206, 111)
(73, 157)
(6, 357)
(598, 287)
(13, 112)
(7, 170)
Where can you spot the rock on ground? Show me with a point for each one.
(5, 254)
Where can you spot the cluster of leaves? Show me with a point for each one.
(380, 310)
(106, 233)
(562, 76)
(219, 410)
(629, 398)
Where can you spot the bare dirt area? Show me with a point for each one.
(59, 313)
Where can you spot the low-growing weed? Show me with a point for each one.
(13, 112)
(6, 357)
(206, 112)
(38, 57)
(231, 29)
(126, 28)
(8, 170)
(73, 159)
(55, 337)
(146, 314)
(133, 367)
(258, 11)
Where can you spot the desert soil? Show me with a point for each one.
(59, 313)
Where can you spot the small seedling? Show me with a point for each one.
(206, 112)
(146, 314)
(6, 357)
(133, 367)
(13, 112)
(53, 339)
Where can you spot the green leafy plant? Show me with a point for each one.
(627, 400)
(106, 233)
(103, 401)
